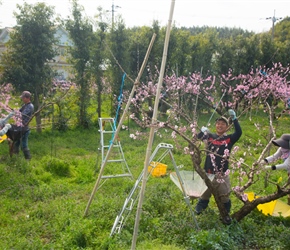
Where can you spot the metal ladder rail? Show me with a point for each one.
(122, 217)
(125, 211)
(110, 132)
(123, 163)
(102, 132)
(117, 145)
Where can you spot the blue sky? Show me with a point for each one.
(245, 14)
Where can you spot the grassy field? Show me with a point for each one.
(43, 201)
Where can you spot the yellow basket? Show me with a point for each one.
(157, 169)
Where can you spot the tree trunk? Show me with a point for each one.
(196, 160)
(99, 99)
(37, 115)
(250, 206)
(84, 100)
(38, 122)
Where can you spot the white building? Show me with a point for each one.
(60, 62)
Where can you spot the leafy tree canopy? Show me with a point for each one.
(30, 48)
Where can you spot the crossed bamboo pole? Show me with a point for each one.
(136, 83)
(152, 129)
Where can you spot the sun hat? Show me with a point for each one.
(222, 118)
(283, 141)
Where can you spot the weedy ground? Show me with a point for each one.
(43, 201)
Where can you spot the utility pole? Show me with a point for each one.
(274, 19)
(113, 11)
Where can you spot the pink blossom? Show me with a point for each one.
(236, 189)
(220, 180)
(186, 150)
(133, 136)
(244, 197)
(227, 172)
(226, 153)
(173, 134)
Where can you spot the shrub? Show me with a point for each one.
(57, 166)
(212, 239)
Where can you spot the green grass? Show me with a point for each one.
(43, 201)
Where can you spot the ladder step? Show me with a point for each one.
(107, 119)
(120, 160)
(114, 146)
(117, 175)
(106, 132)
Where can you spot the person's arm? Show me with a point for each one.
(5, 120)
(284, 165)
(203, 134)
(274, 157)
(27, 113)
(238, 130)
(4, 130)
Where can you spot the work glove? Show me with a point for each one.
(232, 114)
(204, 130)
(273, 167)
(264, 162)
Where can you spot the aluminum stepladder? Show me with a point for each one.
(107, 130)
(135, 191)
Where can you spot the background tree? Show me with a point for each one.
(31, 47)
(282, 41)
(98, 62)
(203, 48)
(179, 51)
(119, 56)
(155, 56)
(81, 33)
(224, 58)
(282, 32)
(268, 50)
(139, 39)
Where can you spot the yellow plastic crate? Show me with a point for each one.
(157, 169)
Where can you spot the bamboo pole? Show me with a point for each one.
(120, 123)
(152, 129)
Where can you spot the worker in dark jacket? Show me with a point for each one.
(219, 146)
(26, 110)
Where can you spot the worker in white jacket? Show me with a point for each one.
(283, 153)
(4, 126)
